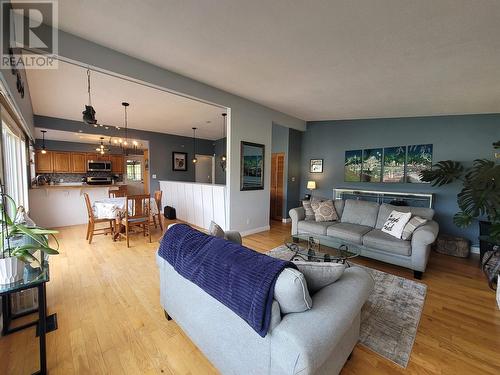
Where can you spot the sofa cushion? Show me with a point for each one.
(360, 212)
(215, 230)
(291, 291)
(320, 274)
(414, 223)
(379, 240)
(349, 232)
(308, 209)
(339, 206)
(386, 209)
(316, 227)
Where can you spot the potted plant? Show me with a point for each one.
(19, 241)
(480, 194)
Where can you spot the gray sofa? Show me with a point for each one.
(317, 341)
(360, 223)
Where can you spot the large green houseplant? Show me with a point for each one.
(19, 242)
(480, 194)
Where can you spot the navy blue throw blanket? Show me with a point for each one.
(240, 278)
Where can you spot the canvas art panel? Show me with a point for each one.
(372, 165)
(252, 166)
(179, 161)
(352, 165)
(419, 158)
(394, 164)
(316, 166)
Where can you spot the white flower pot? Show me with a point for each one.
(11, 270)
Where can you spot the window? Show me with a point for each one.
(14, 161)
(134, 170)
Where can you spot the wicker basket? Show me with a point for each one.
(452, 245)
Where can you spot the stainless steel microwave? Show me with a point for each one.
(98, 166)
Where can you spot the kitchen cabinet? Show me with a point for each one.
(117, 163)
(78, 162)
(43, 162)
(61, 162)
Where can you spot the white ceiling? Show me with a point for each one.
(62, 93)
(314, 59)
(61, 135)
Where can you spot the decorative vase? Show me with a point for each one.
(11, 270)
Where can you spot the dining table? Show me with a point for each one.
(114, 209)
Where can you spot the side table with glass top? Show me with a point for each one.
(317, 248)
(32, 278)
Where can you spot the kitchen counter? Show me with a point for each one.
(73, 186)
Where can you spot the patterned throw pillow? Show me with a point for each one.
(324, 211)
(309, 211)
(395, 223)
(411, 226)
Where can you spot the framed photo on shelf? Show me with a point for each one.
(252, 166)
(179, 161)
(316, 166)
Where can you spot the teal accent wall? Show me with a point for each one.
(461, 138)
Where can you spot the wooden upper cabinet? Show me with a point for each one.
(91, 156)
(43, 162)
(61, 161)
(78, 162)
(116, 163)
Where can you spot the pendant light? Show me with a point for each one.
(89, 112)
(125, 142)
(101, 148)
(44, 151)
(194, 145)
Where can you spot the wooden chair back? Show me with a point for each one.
(116, 193)
(158, 196)
(90, 213)
(139, 206)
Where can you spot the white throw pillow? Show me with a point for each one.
(395, 223)
(320, 274)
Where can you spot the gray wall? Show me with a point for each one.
(460, 138)
(161, 147)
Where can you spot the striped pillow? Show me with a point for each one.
(411, 226)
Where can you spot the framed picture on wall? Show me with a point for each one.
(252, 166)
(316, 166)
(352, 165)
(418, 158)
(394, 164)
(179, 161)
(372, 165)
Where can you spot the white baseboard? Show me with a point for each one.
(474, 249)
(255, 230)
(286, 221)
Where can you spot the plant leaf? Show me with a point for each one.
(442, 173)
(462, 219)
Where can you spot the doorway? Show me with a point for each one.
(204, 169)
(133, 176)
(277, 184)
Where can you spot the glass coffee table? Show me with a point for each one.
(318, 248)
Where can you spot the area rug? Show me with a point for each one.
(390, 317)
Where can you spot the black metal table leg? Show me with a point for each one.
(42, 327)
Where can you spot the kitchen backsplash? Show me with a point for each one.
(77, 177)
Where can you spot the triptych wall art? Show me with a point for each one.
(391, 164)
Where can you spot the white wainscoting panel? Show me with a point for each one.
(195, 203)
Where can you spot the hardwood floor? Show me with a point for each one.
(110, 321)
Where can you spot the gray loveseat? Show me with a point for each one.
(317, 341)
(360, 223)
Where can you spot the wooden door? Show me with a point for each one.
(277, 185)
(116, 163)
(78, 162)
(61, 162)
(43, 162)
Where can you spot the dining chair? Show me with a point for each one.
(158, 194)
(121, 191)
(92, 221)
(137, 214)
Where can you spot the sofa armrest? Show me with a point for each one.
(297, 214)
(303, 341)
(421, 242)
